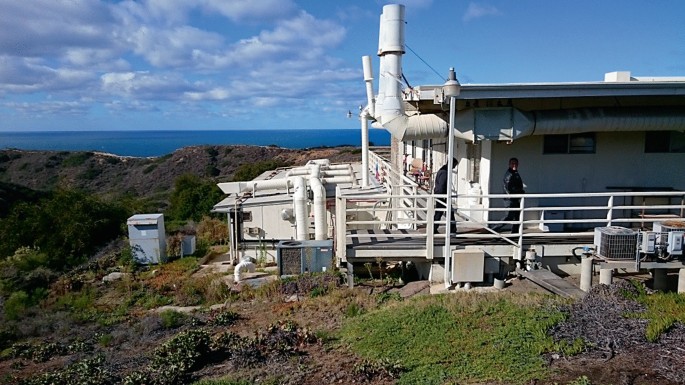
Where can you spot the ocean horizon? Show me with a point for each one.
(150, 143)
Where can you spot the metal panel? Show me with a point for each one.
(147, 238)
(468, 265)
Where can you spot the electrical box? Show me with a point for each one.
(468, 265)
(648, 242)
(675, 243)
(298, 257)
(147, 238)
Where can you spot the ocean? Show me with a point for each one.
(158, 143)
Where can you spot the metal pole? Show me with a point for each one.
(365, 150)
(450, 157)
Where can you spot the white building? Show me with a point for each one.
(592, 155)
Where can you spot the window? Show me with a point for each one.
(664, 141)
(569, 144)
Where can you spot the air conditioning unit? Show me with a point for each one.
(298, 257)
(615, 242)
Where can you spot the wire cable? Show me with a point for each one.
(424, 62)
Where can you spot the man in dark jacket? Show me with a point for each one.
(513, 184)
(441, 188)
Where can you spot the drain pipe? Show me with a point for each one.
(246, 265)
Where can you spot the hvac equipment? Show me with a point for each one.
(147, 238)
(615, 242)
(298, 257)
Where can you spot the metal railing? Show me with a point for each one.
(576, 213)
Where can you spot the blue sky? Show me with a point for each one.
(266, 64)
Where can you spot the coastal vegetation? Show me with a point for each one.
(76, 309)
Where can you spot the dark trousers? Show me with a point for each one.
(513, 215)
(439, 212)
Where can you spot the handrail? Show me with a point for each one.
(415, 211)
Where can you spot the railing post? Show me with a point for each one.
(340, 226)
(610, 210)
(522, 204)
(430, 211)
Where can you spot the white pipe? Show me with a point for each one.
(390, 105)
(320, 162)
(322, 172)
(365, 146)
(368, 79)
(320, 224)
(300, 209)
(340, 179)
(244, 265)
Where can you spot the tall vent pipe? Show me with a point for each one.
(389, 109)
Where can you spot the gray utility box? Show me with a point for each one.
(297, 257)
(147, 238)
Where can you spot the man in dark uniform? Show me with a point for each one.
(441, 188)
(513, 184)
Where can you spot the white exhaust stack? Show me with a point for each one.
(389, 110)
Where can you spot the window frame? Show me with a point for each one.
(555, 144)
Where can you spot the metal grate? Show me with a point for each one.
(291, 260)
(616, 242)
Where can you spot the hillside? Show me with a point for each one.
(112, 175)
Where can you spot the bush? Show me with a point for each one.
(172, 319)
(16, 305)
(76, 159)
(193, 198)
(249, 171)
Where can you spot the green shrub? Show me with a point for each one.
(16, 305)
(150, 168)
(249, 171)
(172, 319)
(76, 159)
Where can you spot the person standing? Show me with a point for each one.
(513, 184)
(440, 205)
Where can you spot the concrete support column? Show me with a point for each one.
(660, 281)
(606, 276)
(681, 281)
(350, 275)
(586, 273)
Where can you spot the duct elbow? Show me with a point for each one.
(430, 126)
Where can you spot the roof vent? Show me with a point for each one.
(617, 76)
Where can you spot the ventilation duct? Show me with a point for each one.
(507, 123)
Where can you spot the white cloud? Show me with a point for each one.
(476, 11)
(145, 85)
(250, 10)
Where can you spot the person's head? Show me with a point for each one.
(513, 164)
(455, 162)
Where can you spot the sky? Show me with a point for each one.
(296, 64)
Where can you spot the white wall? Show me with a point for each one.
(619, 160)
